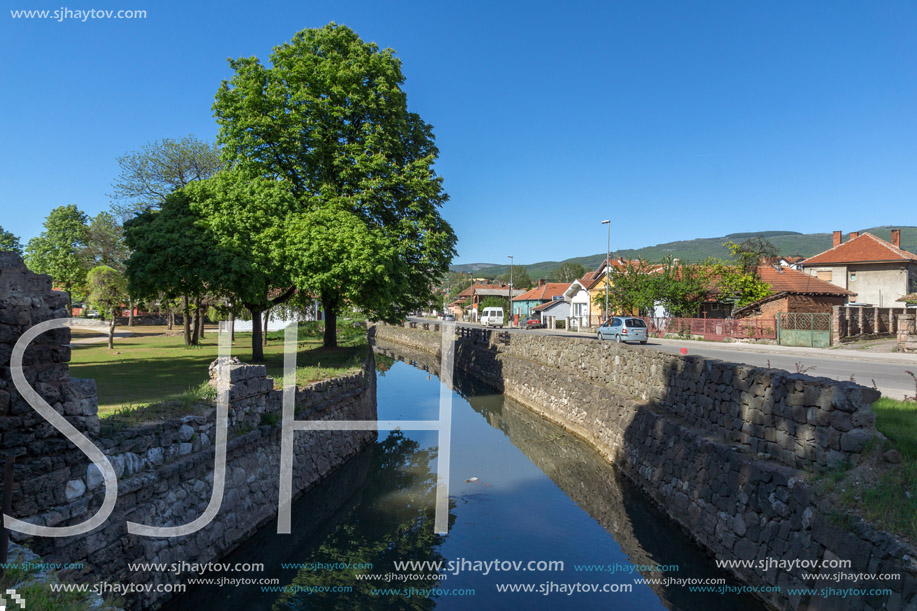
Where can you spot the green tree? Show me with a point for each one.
(104, 243)
(149, 175)
(250, 225)
(58, 250)
(174, 255)
(329, 120)
(9, 242)
(520, 277)
(107, 291)
(568, 272)
(683, 287)
(739, 282)
(634, 288)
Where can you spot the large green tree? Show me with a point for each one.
(250, 223)
(9, 242)
(174, 255)
(58, 250)
(329, 120)
(107, 290)
(156, 170)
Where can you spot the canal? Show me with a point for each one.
(524, 493)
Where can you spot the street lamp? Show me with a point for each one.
(510, 287)
(607, 263)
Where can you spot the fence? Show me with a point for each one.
(804, 329)
(713, 329)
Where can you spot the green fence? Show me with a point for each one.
(804, 329)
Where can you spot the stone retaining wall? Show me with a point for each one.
(165, 469)
(670, 424)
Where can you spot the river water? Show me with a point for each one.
(522, 491)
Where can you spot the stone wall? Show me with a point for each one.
(164, 468)
(718, 446)
(852, 323)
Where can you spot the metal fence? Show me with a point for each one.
(804, 329)
(713, 329)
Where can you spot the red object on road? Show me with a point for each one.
(684, 351)
(516, 320)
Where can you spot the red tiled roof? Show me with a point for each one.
(546, 305)
(478, 286)
(792, 281)
(543, 293)
(863, 248)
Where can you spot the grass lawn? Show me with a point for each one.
(151, 366)
(885, 494)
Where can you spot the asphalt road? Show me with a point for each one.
(889, 376)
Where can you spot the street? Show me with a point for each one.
(887, 372)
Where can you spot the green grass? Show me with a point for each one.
(897, 420)
(891, 501)
(157, 370)
(38, 595)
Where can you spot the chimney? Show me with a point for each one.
(896, 238)
(837, 239)
(854, 235)
(541, 282)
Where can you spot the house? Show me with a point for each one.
(551, 311)
(524, 304)
(467, 301)
(577, 295)
(793, 291)
(879, 272)
(791, 261)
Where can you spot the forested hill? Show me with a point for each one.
(787, 243)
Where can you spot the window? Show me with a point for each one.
(634, 322)
(825, 275)
(853, 276)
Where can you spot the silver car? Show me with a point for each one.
(623, 329)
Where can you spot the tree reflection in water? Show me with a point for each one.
(394, 522)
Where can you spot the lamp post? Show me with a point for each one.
(510, 287)
(607, 264)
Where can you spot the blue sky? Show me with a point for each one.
(676, 120)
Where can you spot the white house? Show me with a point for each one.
(577, 295)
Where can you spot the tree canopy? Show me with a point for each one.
(568, 272)
(107, 290)
(105, 243)
(9, 242)
(57, 250)
(329, 121)
(149, 175)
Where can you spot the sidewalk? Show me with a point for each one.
(840, 353)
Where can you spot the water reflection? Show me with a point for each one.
(521, 488)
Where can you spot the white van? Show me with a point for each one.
(492, 317)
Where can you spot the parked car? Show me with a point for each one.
(623, 329)
(492, 317)
(532, 322)
(448, 318)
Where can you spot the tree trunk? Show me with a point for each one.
(186, 320)
(202, 313)
(196, 330)
(171, 319)
(130, 313)
(330, 339)
(257, 348)
(267, 318)
(111, 332)
(232, 327)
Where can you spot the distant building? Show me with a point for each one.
(879, 272)
(793, 291)
(525, 304)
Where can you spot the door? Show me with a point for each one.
(804, 329)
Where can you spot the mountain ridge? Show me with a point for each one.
(698, 249)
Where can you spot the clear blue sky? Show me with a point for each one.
(677, 120)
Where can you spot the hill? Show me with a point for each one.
(787, 243)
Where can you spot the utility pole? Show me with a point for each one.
(607, 264)
(510, 314)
